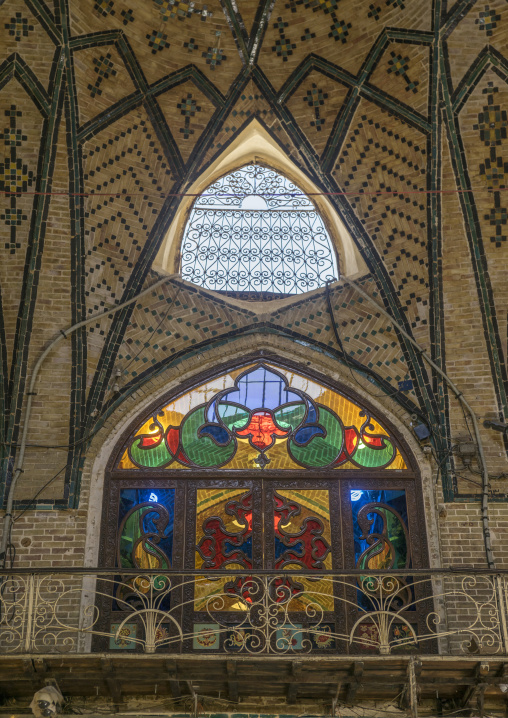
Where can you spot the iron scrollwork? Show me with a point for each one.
(254, 231)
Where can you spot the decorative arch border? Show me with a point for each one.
(254, 145)
(241, 364)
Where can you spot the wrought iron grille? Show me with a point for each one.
(254, 231)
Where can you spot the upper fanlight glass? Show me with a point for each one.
(253, 231)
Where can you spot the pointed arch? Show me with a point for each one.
(254, 145)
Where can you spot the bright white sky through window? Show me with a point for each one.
(253, 231)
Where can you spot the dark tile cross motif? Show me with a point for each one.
(493, 128)
(181, 10)
(128, 16)
(18, 26)
(104, 67)
(14, 176)
(104, 7)
(214, 57)
(487, 20)
(188, 109)
(339, 29)
(400, 65)
(497, 218)
(283, 45)
(157, 40)
(315, 98)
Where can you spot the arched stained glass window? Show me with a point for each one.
(252, 494)
(262, 417)
(254, 232)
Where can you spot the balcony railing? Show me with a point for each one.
(83, 610)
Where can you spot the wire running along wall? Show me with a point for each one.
(255, 231)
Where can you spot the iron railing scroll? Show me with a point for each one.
(80, 610)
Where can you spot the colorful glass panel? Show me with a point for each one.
(145, 541)
(381, 540)
(223, 541)
(262, 417)
(302, 541)
(380, 529)
(145, 534)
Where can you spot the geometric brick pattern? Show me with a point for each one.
(177, 317)
(164, 87)
(381, 154)
(128, 157)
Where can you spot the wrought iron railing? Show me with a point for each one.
(82, 610)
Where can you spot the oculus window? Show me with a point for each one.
(254, 233)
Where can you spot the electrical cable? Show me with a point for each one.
(32, 500)
(377, 396)
(460, 396)
(344, 353)
(163, 319)
(358, 193)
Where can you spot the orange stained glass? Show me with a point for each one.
(228, 422)
(211, 505)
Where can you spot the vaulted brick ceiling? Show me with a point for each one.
(124, 102)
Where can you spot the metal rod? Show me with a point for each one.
(62, 334)
(458, 394)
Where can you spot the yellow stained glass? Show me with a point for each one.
(210, 594)
(239, 433)
(314, 503)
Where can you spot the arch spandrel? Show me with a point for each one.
(254, 145)
(261, 416)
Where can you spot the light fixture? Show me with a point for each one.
(496, 425)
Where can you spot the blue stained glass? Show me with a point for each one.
(395, 500)
(129, 498)
(246, 547)
(312, 415)
(210, 415)
(388, 547)
(297, 549)
(262, 389)
(305, 434)
(216, 432)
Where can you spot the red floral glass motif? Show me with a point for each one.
(262, 430)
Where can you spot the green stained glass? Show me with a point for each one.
(371, 458)
(152, 457)
(263, 417)
(203, 451)
(290, 416)
(321, 451)
(234, 417)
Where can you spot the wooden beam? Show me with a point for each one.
(474, 696)
(296, 668)
(232, 682)
(112, 682)
(40, 666)
(173, 684)
(354, 682)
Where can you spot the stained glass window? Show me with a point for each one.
(246, 494)
(255, 232)
(145, 529)
(262, 417)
